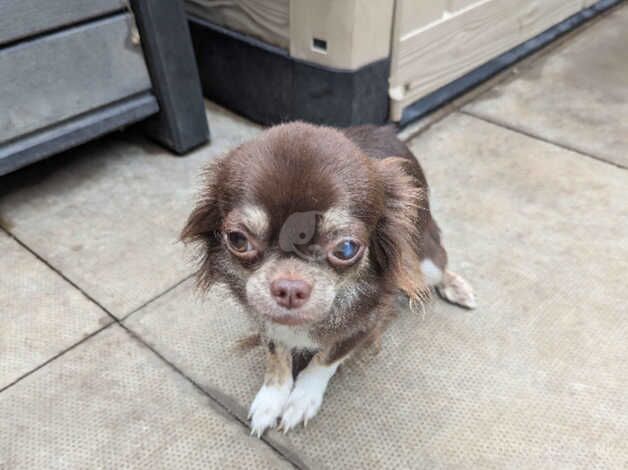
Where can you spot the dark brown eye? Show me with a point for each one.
(239, 242)
(346, 250)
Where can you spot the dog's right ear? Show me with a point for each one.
(203, 226)
(204, 220)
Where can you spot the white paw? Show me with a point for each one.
(456, 290)
(267, 407)
(302, 406)
(307, 396)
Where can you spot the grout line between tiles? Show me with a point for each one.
(57, 271)
(156, 297)
(56, 356)
(136, 337)
(214, 400)
(532, 135)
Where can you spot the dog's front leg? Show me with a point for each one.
(272, 397)
(307, 396)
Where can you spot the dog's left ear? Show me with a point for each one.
(397, 242)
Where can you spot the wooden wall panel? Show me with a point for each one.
(414, 14)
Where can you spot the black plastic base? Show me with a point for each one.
(265, 84)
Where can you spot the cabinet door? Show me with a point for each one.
(23, 18)
(438, 41)
(59, 76)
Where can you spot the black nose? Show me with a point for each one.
(290, 293)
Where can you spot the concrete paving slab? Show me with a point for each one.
(41, 314)
(111, 403)
(108, 214)
(534, 377)
(577, 96)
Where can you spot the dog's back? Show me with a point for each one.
(380, 142)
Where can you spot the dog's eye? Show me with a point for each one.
(239, 242)
(346, 250)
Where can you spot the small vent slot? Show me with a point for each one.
(319, 45)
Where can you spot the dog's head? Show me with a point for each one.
(305, 228)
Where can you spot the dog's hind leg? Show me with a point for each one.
(450, 286)
(456, 290)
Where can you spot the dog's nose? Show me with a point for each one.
(290, 293)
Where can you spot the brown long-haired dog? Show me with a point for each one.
(316, 231)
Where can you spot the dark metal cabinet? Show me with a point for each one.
(71, 70)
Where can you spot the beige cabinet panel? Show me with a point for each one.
(344, 34)
(467, 34)
(415, 14)
(263, 19)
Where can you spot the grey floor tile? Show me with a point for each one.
(534, 377)
(111, 403)
(548, 231)
(108, 214)
(576, 96)
(40, 313)
(211, 328)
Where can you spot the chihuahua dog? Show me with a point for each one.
(316, 231)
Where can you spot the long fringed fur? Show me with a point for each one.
(398, 233)
(202, 227)
(247, 343)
